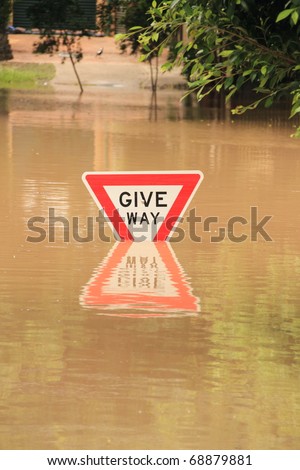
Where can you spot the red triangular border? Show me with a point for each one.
(95, 182)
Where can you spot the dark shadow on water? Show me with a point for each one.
(213, 109)
(153, 106)
(171, 107)
(4, 101)
(76, 105)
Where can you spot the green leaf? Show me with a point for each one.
(226, 53)
(194, 69)
(284, 14)
(262, 90)
(179, 44)
(228, 82)
(240, 81)
(295, 17)
(263, 81)
(167, 66)
(174, 3)
(120, 37)
(154, 4)
(295, 109)
(143, 57)
(269, 102)
(264, 70)
(160, 50)
(239, 110)
(273, 81)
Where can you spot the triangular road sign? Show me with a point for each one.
(140, 280)
(143, 206)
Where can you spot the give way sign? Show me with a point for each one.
(143, 206)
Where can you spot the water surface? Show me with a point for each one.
(208, 357)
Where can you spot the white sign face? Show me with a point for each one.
(143, 206)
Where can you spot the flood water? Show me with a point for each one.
(194, 344)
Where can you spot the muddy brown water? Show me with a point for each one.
(99, 353)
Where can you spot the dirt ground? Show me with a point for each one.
(111, 68)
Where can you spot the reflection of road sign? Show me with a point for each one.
(143, 205)
(140, 276)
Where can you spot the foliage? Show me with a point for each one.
(107, 15)
(135, 12)
(230, 45)
(138, 12)
(61, 24)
